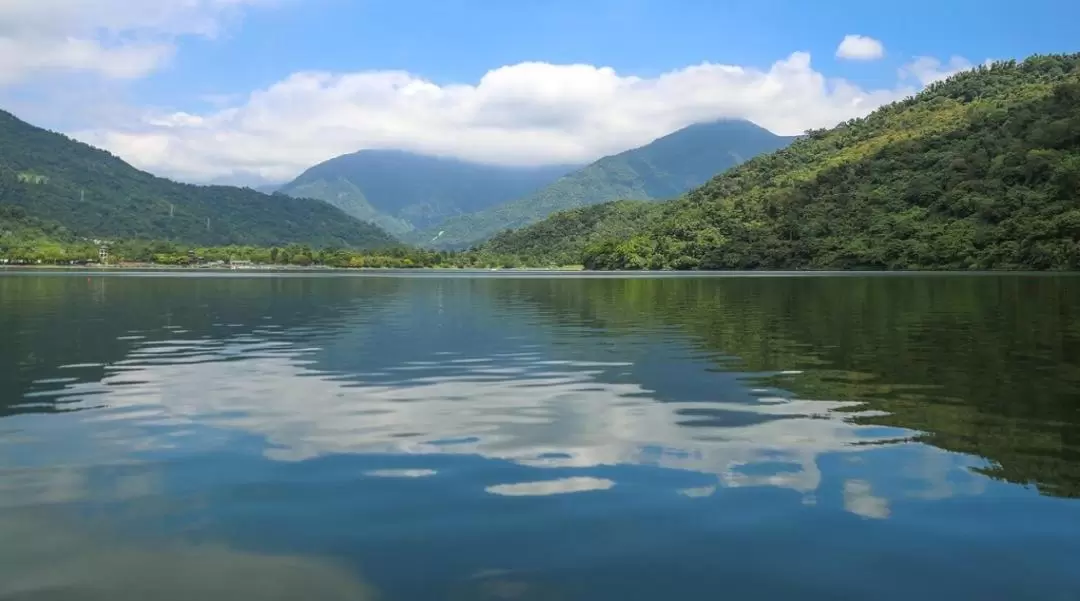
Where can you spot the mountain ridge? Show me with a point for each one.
(402, 191)
(92, 192)
(662, 169)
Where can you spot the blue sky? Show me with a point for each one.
(459, 40)
(192, 88)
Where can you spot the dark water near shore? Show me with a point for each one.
(337, 437)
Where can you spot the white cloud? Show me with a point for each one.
(528, 113)
(860, 48)
(119, 39)
(19, 57)
(927, 70)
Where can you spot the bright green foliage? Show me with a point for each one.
(95, 194)
(561, 239)
(981, 171)
(25, 239)
(400, 191)
(660, 170)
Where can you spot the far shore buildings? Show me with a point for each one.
(103, 250)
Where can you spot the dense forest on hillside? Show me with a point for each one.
(27, 240)
(401, 191)
(95, 194)
(35, 239)
(30, 247)
(660, 170)
(981, 171)
(297, 255)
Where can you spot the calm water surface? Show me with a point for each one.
(416, 438)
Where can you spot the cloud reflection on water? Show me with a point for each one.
(522, 407)
(542, 488)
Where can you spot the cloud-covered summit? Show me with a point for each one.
(528, 113)
(524, 113)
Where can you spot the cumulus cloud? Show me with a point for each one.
(927, 69)
(118, 39)
(528, 113)
(860, 48)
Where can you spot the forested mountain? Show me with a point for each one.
(95, 194)
(661, 170)
(401, 191)
(977, 172)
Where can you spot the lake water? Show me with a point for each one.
(429, 437)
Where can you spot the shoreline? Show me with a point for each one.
(150, 268)
(272, 268)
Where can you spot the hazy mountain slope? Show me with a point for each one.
(93, 193)
(267, 188)
(980, 171)
(402, 191)
(663, 169)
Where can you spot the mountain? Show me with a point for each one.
(981, 171)
(561, 239)
(95, 194)
(267, 188)
(401, 191)
(663, 169)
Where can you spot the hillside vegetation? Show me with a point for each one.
(561, 239)
(981, 171)
(661, 170)
(95, 194)
(402, 191)
(33, 239)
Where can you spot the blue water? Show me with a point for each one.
(545, 437)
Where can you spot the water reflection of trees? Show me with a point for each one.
(92, 321)
(988, 366)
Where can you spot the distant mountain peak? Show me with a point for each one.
(664, 168)
(403, 191)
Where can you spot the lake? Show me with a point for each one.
(527, 436)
